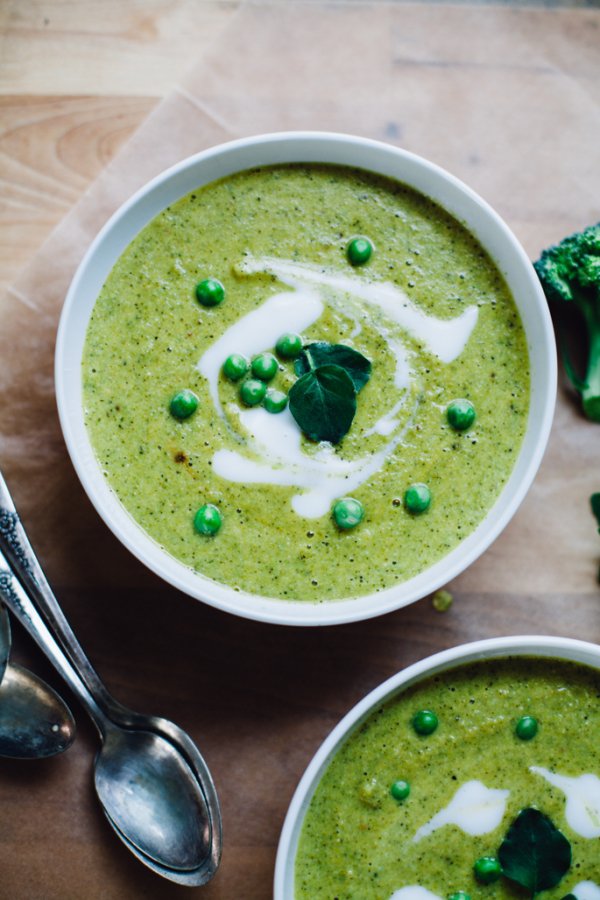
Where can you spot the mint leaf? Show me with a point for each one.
(595, 501)
(534, 852)
(323, 403)
(321, 353)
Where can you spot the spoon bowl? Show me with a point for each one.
(34, 721)
(4, 641)
(191, 878)
(166, 814)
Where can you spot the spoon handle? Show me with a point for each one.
(19, 553)
(17, 600)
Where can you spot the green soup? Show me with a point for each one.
(430, 311)
(359, 842)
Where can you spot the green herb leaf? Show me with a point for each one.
(595, 502)
(320, 353)
(534, 852)
(323, 403)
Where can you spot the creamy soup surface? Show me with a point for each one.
(429, 310)
(468, 780)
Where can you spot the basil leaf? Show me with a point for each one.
(321, 353)
(323, 403)
(595, 501)
(534, 852)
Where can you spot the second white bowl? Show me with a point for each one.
(495, 648)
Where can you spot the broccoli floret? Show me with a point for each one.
(570, 273)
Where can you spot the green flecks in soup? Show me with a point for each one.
(469, 781)
(429, 311)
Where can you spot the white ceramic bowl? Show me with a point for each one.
(494, 648)
(224, 160)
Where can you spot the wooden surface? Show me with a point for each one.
(77, 77)
(76, 80)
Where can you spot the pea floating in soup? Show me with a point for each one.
(224, 294)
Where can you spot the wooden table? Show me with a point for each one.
(76, 80)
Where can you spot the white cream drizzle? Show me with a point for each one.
(287, 311)
(586, 890)
(582, 810)
(273, 452)
(444, 337)
(474, 808)
(414, 892)
(322, 477)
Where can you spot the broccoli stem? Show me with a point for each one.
(590, 391)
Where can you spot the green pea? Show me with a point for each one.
(208, 519)
(425, 721)
(265, 366)
(442, 600)
(569, 897)
(400, 790)
(289, 345)
(210, 292)
(358, 251)
(369, 794)
(460, 895)
(235, 366)
(275, 401)
(487, 869)
(526, 728)
(252, 391)
(417, 498)
(460, 414)
(183, 404)
(348, 513)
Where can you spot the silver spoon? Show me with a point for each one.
(4, 640)
(152, 782)
(34, 721)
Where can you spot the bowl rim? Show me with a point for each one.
(566, 649)
(423, 176)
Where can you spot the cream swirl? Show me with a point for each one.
(273, 448)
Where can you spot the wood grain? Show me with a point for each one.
(51, 149)
(77, 77)
(105, 47)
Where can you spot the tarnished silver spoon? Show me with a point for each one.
(151, 780)
(4, 640)
(34, 721)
